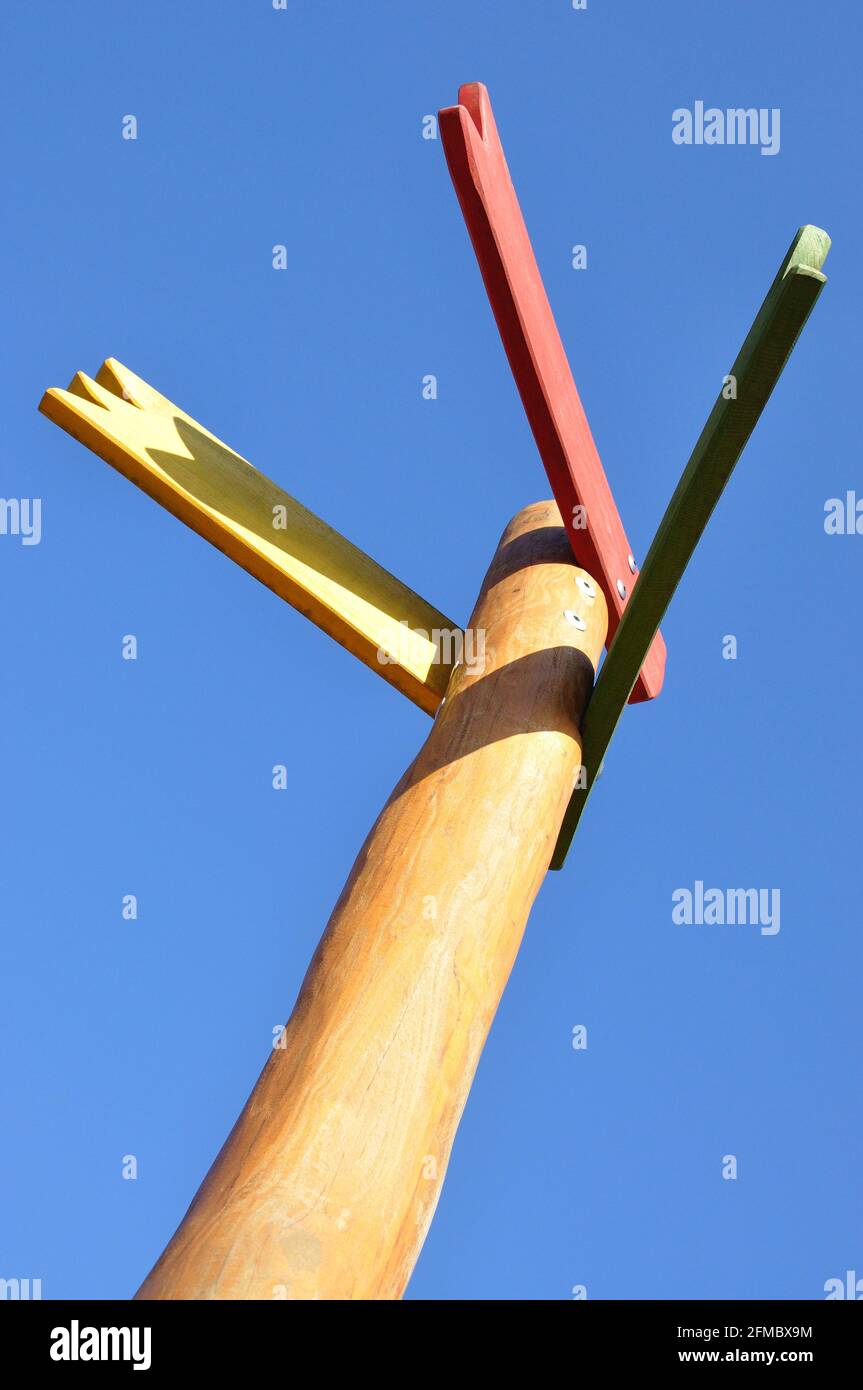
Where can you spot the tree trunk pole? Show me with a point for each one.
(326, 1186)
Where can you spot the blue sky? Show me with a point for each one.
(600, 1167)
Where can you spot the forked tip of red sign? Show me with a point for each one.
(473, 100)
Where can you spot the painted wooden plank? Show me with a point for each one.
(539, 364)
(251, 519)
(758, 367)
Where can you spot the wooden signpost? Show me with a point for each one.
(327, 1184)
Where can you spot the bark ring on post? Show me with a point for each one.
(327, 1184)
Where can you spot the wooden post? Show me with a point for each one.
(326, 1186)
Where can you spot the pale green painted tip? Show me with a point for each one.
(809, 248)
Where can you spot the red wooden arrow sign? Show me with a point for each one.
(538, 360)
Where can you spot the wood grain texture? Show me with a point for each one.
(220, 495)
(756, 370)
(538, 360)
(327, 1184)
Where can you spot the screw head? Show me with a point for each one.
(585, 586)
(621, 588)
(574, 619)
(631, 560)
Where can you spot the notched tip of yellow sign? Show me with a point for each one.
(226, 500)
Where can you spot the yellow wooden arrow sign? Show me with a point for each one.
(220, 495)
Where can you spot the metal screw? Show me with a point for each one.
(631, 563)
(621, 588)
(574, 619)
(585, 586)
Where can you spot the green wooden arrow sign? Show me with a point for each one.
(756, 371)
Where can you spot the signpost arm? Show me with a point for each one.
(758, 366)
(220, 495)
